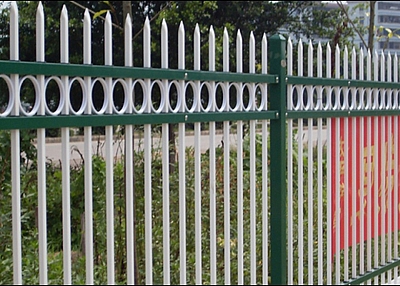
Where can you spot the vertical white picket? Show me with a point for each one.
(383, 171)
(227, 240)
(130, 237)
(310, 172)
(109, 155)
(41, 161)
(320, 172)
(289, 166)
(66, 200)
(300, 200)
(264, 69)
(337, 171)
(388, 164)
(329, 174)
(239, 69)
(87, 59)
(375, 160)
(396, 170)
(165, 160)
(213, 219)
(253, 258)
(354, 169)
(361, 175)
(197, 150)
(369, 168)
(182, 161)
(15, 152)
(346, 168)
(147, 159)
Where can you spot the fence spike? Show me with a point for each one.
(226, 50)
(164, 44)
(239, 52)
(211, 49)
(197, 47)
(181, 46)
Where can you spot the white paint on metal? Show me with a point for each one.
(239, 69)
(376, 169)
(197, 150)
(329, 216)
(41, 163)
(300, 199)
(109, 155)
(265, 233)
(290, 166)
(15, 152)
(337, 171)
(253, 239)
(213, 203)
(226, 127)
(147, 158)
(87, 59)
(165, 162)
(130, 237)
(182, 160)
(310, 161)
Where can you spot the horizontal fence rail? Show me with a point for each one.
(285, 174)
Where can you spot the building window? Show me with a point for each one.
(388, 19)
(388, 6)
(390, 45)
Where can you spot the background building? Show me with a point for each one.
(387, 15)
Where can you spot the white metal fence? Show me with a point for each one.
(207, 217)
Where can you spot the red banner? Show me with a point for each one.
(351, 173)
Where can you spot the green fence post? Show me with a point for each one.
(278, 162)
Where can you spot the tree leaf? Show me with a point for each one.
(97, 14)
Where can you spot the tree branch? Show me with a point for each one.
(341, 6)
(91, 11)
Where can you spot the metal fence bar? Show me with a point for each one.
(278, 155)
(148, 160)
(87, 59)
(130, 172)
(212, 165)
(290, 167)
(41, 161)
(226, 128)
(197, 131)
(165, 163)
(239, 60)
(265, 182)
(182, 163)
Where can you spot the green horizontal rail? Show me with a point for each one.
(331, 82)
(81, 70)
(35, 122)
(340, 113)
(373, 273)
